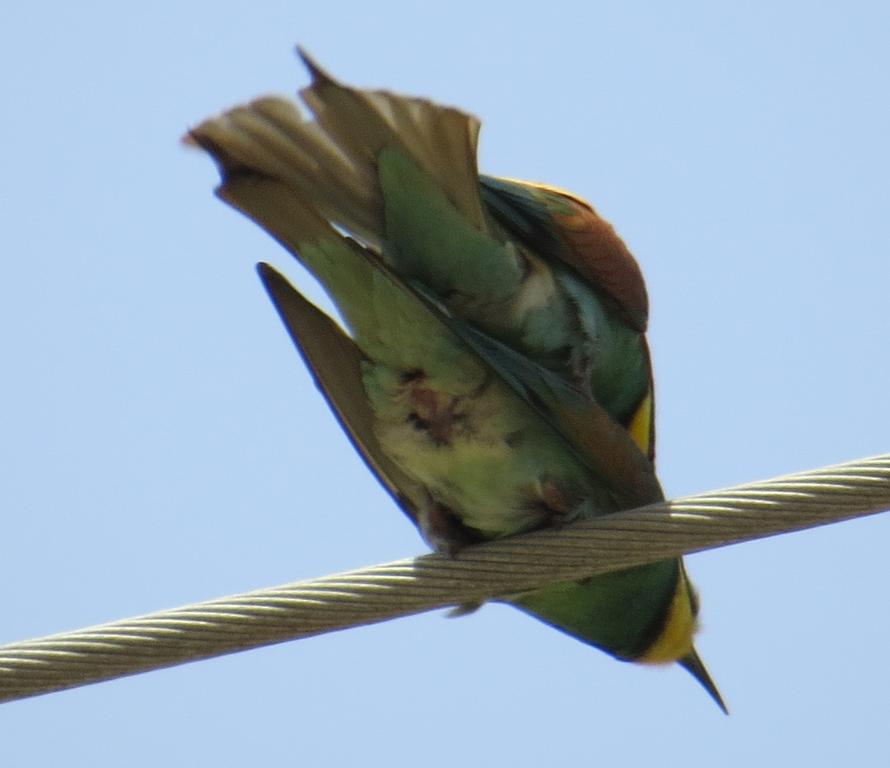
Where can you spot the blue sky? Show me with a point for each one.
(161, 443)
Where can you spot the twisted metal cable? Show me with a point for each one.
(405, 587)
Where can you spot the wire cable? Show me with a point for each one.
(405, 587)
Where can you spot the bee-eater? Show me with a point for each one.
(494, 372)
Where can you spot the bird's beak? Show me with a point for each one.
(693, 664)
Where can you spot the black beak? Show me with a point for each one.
(693, 664)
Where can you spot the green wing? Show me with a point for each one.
(335, 363)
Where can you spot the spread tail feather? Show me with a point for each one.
(331, 161)
(361, 124)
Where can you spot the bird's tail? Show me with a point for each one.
(332, 160)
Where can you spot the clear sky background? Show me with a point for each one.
(160, 442)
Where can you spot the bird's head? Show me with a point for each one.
(675, 641)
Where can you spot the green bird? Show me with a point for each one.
(494, 373)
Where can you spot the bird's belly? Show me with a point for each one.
(483, 454)
(477, 481)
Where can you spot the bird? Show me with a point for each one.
(491, 368)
